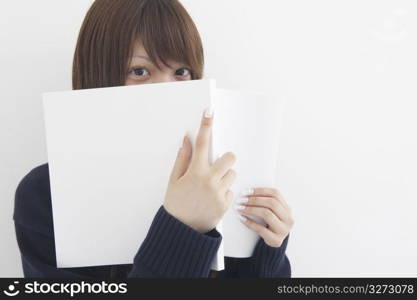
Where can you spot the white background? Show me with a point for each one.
(348, 72)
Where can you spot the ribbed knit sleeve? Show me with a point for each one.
(173, 249)
(270, 261)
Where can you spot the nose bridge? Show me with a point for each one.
(163, 75)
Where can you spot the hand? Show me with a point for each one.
(198, 192)
(270, 205)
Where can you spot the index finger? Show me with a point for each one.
(202, 143)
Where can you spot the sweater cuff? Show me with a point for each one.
(267, 259)
(174, 249)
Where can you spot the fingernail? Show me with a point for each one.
(242, 218)
(240, 207)
(183, 141)
(242, 200)
(247, 192)
(208, 113)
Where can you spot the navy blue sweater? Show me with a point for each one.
(171, 248)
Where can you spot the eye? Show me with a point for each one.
(183, 72)
(141, 72)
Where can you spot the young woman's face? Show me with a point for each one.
(142, 70)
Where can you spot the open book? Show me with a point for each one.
(111, 151)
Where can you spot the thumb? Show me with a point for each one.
(183, 159)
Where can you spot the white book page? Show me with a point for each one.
(248, 125)
(110, 154)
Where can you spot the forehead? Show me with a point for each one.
(138, 48)
(139, 52)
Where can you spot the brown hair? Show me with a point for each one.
(110, 29)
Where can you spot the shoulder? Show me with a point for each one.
(32, 205)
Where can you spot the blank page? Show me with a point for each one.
(246, 124)
(110, 153)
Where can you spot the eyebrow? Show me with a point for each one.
(145, 57)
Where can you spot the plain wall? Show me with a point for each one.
(37, 41)
(347, 71)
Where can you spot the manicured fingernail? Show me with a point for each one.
(247, 192)
(242, 200)
(240, 207)
(208, 113)
(242, 218)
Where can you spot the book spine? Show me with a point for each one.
(218, 260)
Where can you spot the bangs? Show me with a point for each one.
(165, 34)
(112, 27)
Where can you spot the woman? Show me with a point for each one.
(125, 42)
